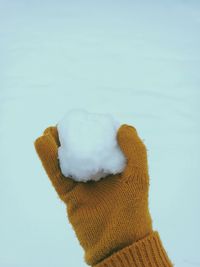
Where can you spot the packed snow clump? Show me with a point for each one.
(88, 146)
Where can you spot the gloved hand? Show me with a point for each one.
(110, 215)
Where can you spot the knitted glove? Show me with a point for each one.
(110, 217)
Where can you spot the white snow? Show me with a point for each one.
(89, 148)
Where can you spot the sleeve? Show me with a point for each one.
(147, 252)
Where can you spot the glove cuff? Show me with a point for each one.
(144, 253)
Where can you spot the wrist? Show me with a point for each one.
(146, 252)
(117, 233)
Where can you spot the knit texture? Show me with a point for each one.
(146, 252)
(110, 215)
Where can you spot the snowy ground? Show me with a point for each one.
(140, 62)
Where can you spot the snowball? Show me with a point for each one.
(88, 146)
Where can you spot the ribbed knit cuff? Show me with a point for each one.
(147, 252)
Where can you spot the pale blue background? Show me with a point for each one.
(139, 60)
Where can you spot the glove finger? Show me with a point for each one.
(47, 151)
(132, 146)
(52, 130)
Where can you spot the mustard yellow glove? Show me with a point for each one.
(110, 217)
